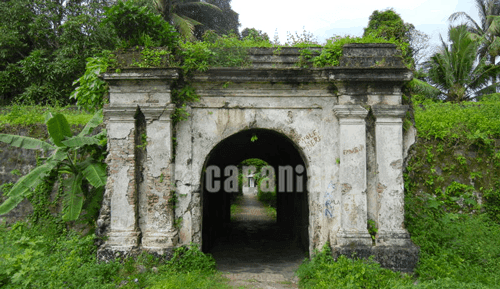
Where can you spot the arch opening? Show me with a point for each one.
(290, 174)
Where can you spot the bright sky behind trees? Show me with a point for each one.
(325, 18)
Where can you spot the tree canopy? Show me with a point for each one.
(455, 71)
(44, 44)
(389, 25)
(193, 17)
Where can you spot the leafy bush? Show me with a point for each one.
(91, 92)
(332, 51)
(218, 51)
(137, 25)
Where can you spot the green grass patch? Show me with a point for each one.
(32, 257)
(269, 200)
(33, 114)
(236, 207)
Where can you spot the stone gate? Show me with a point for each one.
(343, 125)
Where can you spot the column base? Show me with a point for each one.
(349, 238)
(123, 240)
(396, 258)
(159, 242)
(393, 238)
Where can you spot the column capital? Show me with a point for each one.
(389, 111)
(120, 113)
(350, 111)
(158, 112)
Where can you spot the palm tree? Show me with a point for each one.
(488, 33)
(455, 71)
(186, 15)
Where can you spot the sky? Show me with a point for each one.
(325, 18)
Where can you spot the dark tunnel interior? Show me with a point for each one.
(279, 152)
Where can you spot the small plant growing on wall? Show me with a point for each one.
(372, 229)
(77, 158)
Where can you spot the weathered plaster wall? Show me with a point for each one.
(311, 127)
(345, 123)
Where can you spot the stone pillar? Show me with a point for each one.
(157, 203)
(123, 232)
(390, 183)
(352, 176)
(130, 173)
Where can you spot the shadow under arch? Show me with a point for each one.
(279, 152)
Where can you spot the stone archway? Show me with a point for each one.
(346, 122)
(281, 154)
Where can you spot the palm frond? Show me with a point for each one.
(470, 21)
(185, 25)
(207, 7)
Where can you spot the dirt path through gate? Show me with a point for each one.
(256, 252)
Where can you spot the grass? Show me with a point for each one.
(55, 258)
(458, 250)
(35, 114)
(236, 207)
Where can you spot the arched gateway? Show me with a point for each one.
(343, 124)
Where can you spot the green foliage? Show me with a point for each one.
(421, 90)
(32, 258)
(29, 115)
(389, 25)
(372, 228)
(255, 35)
(473, 121)
(46, 256)
(455, 246)
(137, 25)
(157, 57)
(452, 194)
(181, 96)
(195, 280)
(218, 51)
(322, 271)
(78, 156)
(332, 51)
(486, 32)
(92, 89)
(193, 18)
(188, 259)
(304, 39)
(455, 71)
(43, 47)
(492, 197)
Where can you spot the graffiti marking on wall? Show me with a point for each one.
(355, 150)
(329, 201)
(310, 139)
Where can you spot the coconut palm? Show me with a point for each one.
(187, 14)
(455, 71)
(488, 31)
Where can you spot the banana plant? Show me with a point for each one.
(78, 158)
